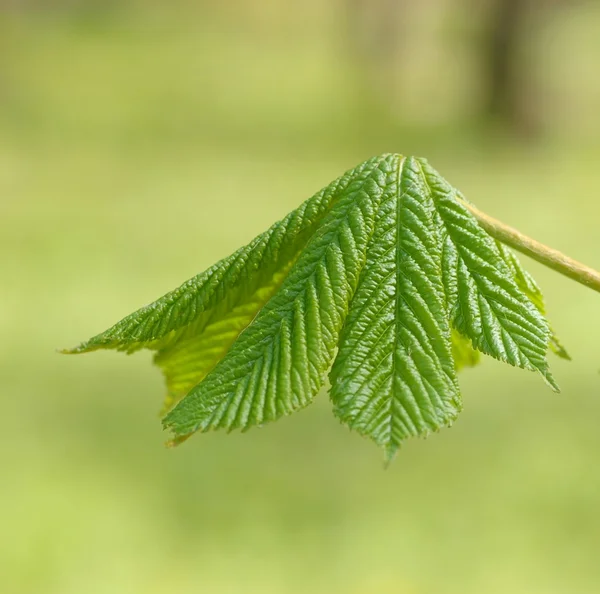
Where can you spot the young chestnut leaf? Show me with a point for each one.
(384, 279)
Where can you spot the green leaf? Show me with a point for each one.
(384, 278)
(530, 288)
(527, 284)
(485, 303)
(394, 376)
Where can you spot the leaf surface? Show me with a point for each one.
(486, 305)
(394, 376)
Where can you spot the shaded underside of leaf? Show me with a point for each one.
(463, 352)
(186, 362)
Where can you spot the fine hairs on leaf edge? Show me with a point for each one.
(388, 280)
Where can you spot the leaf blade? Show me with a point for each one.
(487, 305)
(528, 285)
(394, 375)
(278, 363)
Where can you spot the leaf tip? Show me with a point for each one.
(389, 453)
(177, 435)
(71, 351)
(83, 347)
(550, 381)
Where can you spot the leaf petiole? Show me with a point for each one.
(543, 254)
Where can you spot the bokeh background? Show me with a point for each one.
(140, 141)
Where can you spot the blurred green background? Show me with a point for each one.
(140, 141)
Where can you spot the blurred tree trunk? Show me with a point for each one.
(511, 95)
(505, 96)
(374, 27)
(373, 40)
